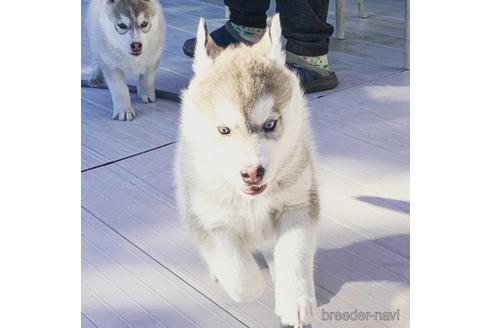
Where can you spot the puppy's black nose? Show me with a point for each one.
(136, 46)
(253, 174)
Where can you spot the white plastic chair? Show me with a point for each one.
(340, 24)
(340, 16)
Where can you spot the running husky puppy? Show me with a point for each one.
(245, 174)
(126, 37)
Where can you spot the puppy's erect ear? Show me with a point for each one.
(271, 42)
(206, 50)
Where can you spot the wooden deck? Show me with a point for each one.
(140, 270)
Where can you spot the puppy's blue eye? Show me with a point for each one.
(122, 26)
(224, 130)
(270, 126)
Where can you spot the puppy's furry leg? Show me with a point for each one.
(97, 78)
(122, 107)
(146, 86)
(232, 264)
(295, 300)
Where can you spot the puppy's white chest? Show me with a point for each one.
(134, 65)
(252, 220)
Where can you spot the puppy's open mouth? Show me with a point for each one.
(136, 53)
(253, 189)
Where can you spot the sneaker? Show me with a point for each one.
(313, 79)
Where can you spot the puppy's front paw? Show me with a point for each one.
(147, 98)
(244, 287)
(146, 95)
(295, 311)
(248, 291)
(124, 114)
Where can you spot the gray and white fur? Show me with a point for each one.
(126, 37)
(245, 172)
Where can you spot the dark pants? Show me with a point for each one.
(303, 22)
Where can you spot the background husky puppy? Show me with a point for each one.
(126, 37)
(245, 174)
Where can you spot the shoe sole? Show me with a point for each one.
(188, 53)
(321, 85)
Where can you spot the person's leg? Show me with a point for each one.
(308, 38)
(251, 13)
(306, 30)
(248, 18)
(246, 24)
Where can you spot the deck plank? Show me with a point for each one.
(86, 322)
(105, 140)
(147, 285)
